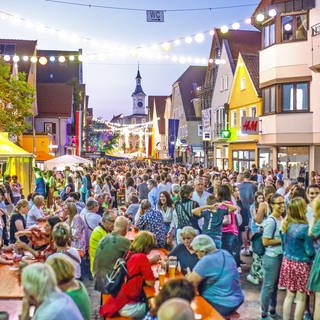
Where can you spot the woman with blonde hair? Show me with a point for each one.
(128, 300)
(298, 252)
(66, 281)
(314, 279)
(61, 235)
(18, 220)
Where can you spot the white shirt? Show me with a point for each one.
(33, 215)
(202, 200)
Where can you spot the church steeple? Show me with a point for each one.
(138, 96)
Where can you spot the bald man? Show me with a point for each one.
(175, 308)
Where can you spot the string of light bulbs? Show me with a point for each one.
(43, 60)
(109, 46)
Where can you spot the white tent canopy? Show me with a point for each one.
(60, 163)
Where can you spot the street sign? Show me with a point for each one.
(226, 134)
(206, 136)
(249, 125)
(155, 16)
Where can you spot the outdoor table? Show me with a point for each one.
(13, 307)
(199, 305)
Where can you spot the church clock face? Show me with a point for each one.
(140, 104)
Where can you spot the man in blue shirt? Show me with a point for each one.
(153, 195)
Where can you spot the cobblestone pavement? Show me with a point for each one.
(250, 310)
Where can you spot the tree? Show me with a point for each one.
(16, 101)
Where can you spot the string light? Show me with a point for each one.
(260, 17)
(272, 13)
(117, 48)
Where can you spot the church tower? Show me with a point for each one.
(138, 97)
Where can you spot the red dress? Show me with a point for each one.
(131, 291)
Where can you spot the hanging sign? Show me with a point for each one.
(155, 16)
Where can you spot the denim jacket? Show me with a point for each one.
(296, 243)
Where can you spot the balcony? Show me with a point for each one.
(315, 64)
(286, 128)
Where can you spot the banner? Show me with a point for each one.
(79, 119)
(173, 127)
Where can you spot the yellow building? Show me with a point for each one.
(245, 107)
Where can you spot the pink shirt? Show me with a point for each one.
(231, 227)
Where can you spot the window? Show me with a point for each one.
(49, 127)
(269, 35)
(242, 83)
(269, 99)
(253, 111)
(9, 49)
(233, 119)
(243, 114)
(224, 83)
(295, 97)
(294, 27)
(243, 159)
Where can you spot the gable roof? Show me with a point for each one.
(160, 104)
(251, 62)
(54, 100)
(188, 82)
(22, 48)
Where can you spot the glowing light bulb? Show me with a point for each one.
(166, 46)
(33, 59)
(288, 27)
(260, 17)
(211, 32)
(199, 37)
(211, 60)
(224, 29)
(80, 57)
(188, 40)
(247, 21)
(62, 59)
(15, 59)
(71, 58)
(272, 13)
(236, 26)
(25, 58)
(177, 42)
(52, 59)
(43, 60)
(6, 57)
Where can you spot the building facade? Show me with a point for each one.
(245, 107)
(186, 107)
(289, 79)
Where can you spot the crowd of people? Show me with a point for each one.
(75, 225)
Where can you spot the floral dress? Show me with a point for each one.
(78, 231)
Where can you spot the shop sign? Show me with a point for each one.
(249, 125)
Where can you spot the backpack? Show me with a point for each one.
(256, 241)
(117, 277)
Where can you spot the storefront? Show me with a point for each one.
(293, 161)
(242, 156)
(265, 158)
